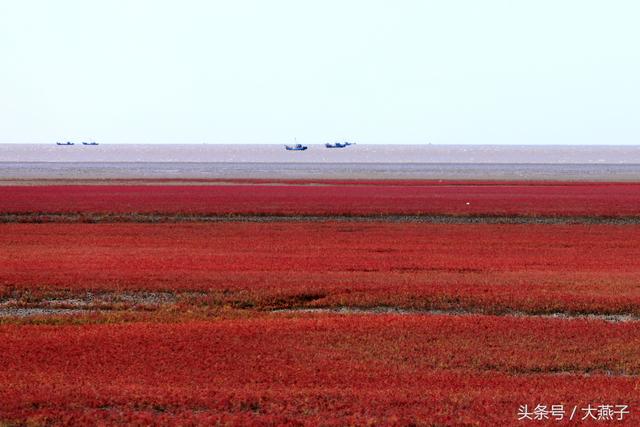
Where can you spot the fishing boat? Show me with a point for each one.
(296, 147)
(338, 144)
(90, 143)
(65, 143)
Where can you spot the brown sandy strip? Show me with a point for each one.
(301, 182)
(27, 304)
(162, 183)
(24, 304)
(612, 318)
(44, 311)
(8, 312)
(53, 217)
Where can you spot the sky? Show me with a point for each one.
(369, 71)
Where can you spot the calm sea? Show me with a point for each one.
(33, 161)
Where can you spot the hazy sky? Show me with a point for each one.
(251, 71)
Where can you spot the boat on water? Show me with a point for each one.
(338, 144)
(90, 143)
(296, 147)
(65, 143)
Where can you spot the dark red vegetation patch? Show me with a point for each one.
(555, 199)
(491, 268)
(315, 369)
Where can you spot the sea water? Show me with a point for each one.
(129, 161)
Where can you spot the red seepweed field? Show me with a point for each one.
(489, 268)
(331, 198)
(339, 320)
(331, 370)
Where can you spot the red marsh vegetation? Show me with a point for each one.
(331, 370)
(331, 198)
(487, 267)
(226, 337)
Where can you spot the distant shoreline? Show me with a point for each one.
(201, 171)
(359, 153)
(393, 162)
